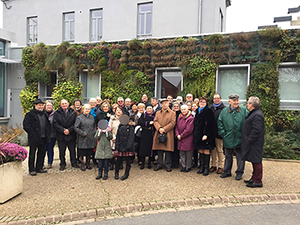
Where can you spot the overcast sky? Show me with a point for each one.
(247, 15)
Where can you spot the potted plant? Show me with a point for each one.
(11, 174)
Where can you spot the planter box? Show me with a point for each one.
(11, 180)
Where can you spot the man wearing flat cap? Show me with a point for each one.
(230, 124)
(38, 127)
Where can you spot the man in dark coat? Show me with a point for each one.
(253, 141)
(217, 154)
(38, 127)
(63, 122)
(155, 104)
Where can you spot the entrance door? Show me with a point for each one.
(15, 108)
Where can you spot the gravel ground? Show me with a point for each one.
(73, 190)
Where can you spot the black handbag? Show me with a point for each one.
(162, 138)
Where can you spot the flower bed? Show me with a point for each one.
(10, 152)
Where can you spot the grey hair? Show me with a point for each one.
(87, 106)
(184, 106)
(254, 101)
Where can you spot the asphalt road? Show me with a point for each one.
(246, 215)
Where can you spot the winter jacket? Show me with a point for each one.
(125, 138)
(185, 128)
(230, 125)
(204, 124)
(103, 150)
(146, 139)
(253, 137)
(32, 126)
(165, 118)
(85, 128)
(62, 121)
(114, 124)
(217, 112)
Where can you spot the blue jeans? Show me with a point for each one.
(50, 151)
(103, 163)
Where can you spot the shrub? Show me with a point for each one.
(27, 97)
(116, 53)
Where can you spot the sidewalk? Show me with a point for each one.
(72, 194)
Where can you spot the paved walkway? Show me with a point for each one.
(72, 194)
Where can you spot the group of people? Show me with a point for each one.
(169, 131)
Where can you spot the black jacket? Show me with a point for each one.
(125, 138)
(62, 121)
(32, 126)
(147, 134)
(204, 124)
(217, 112)
(253, 137)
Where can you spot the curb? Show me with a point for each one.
(159, 206)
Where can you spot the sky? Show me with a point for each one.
(247, 15)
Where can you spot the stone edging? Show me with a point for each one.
(204, 202)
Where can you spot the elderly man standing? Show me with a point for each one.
(217, 155)
(230, 123)
(37, 125)
(253, 141)
(63, 122)
(164, 123)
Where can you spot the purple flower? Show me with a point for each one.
(13, 152)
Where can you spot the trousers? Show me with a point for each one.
(229, 160)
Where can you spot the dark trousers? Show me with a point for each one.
(103, 164)
(120, 161)
(50, 150)
(175, 158)
(257, 172)
(160, 158)
(229, 160)
(41, 151)
(195, 156)
(62, 145)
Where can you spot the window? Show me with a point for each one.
(45, 91)
(168, 81)
(233, 80)
(69, 20)
(96, 24)
(32, 23)
(289, 86)
(91, 85)
(145, 20)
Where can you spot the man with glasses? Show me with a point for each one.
(120, 102)
(189, 98)
(217, 155)
(230, 123)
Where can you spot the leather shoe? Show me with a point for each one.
(117, 176)
(239, 176)
(99, 176)
(224, 175)
(157, 168)
(33, 173)
(212, 169)
(254, 185)
(75, 165)
(248, 181)
(220, 170)
(41, 171)
(142, 166)
(169, 169)
(187, 170)
(105, 177)
(62, 168)
(183, 169)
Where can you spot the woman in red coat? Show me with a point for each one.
(184, 133)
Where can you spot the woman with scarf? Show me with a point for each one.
(104, 113)
(146, 140)
(184, 134)
(204, 137)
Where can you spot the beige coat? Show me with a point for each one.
(164, 119)
(114, 124)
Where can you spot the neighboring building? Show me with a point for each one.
(52, 22)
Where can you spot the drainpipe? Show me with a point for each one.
(200, 16)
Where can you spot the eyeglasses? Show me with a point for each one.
(202, 102)
(216, 98)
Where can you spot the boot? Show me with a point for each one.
(126, 175)
(117, 172)
(82, 167)
(105, 176)
(206, 164)
(149, 163)
(88, 165)
(201, 166)
(142, 166)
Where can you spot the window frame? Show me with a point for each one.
(97, 22)
(43, 94)
(86, 98)
(248, 66)
(35, 28)
(288, 107)
(68, 22)
(158, 79)
(145, 35)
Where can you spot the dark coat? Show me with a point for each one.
(125, 138)
(31, 125)
(62, 121)
(204, 124)
(146, 139)
(253, 137)
(157, 109)
(85, 128)
(102, 116)
(217, 112)
(185, 128)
